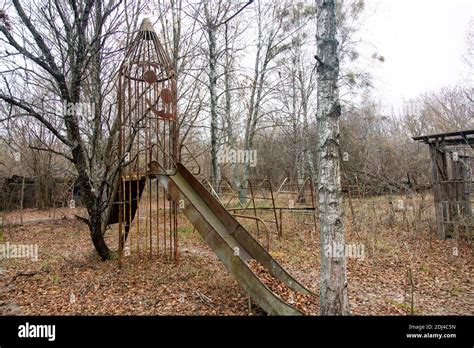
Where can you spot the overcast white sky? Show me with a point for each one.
(422, 41)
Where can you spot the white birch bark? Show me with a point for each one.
(333, 278)
(211, 32)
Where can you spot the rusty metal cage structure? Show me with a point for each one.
(147, 147)
(452, 179)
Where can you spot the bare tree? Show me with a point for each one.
(66, 49)
(296, 75)
(212, 23)
(184, 40)
(276, 25)
(333, 277)
(213, 18)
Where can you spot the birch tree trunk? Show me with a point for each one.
(211, 32)
(308, 152)
(231, 139)
(267, 50)
(333, 278)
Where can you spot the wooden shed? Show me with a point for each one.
(452, 162)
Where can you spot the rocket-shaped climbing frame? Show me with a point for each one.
(148, 147)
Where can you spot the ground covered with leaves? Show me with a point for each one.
(404, 269)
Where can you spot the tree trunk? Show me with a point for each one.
(231, 140)
(97, 236)
(215, 165)
(22, 199)
(333, 278)
(309, 157)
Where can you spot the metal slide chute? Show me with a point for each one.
(230, 241)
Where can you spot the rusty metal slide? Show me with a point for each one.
(230, 241)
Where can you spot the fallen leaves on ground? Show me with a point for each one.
(308, 304)
(69, 278)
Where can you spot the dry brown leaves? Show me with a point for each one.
(69, 278)
(307, 304)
